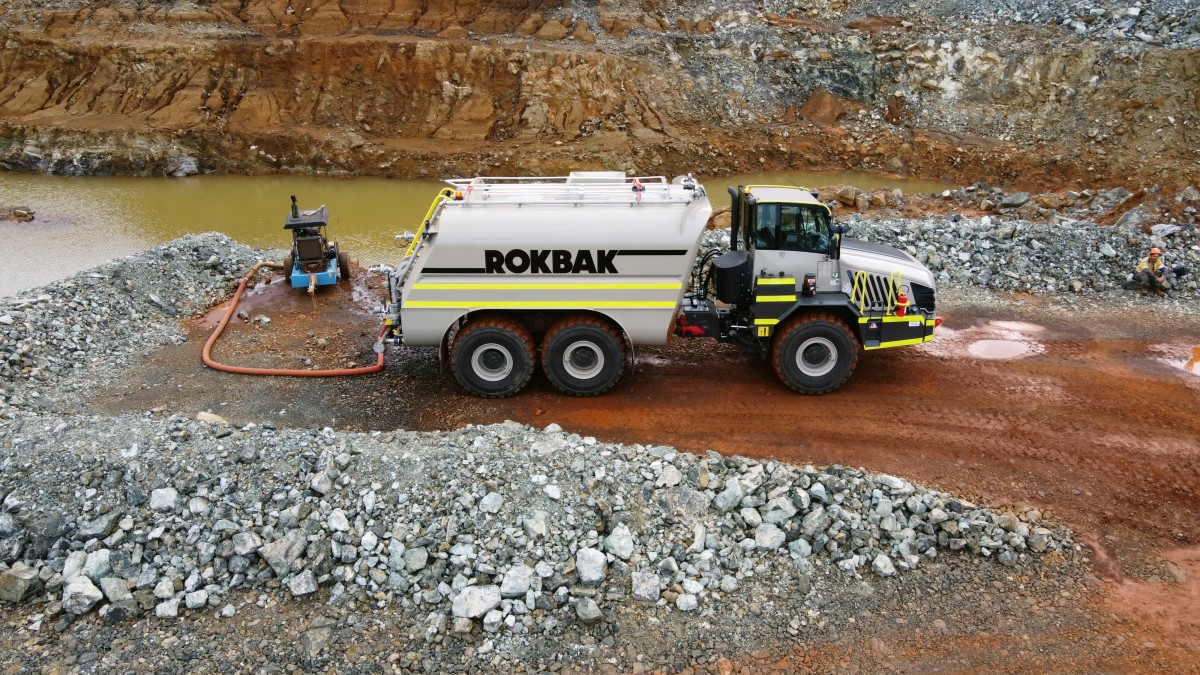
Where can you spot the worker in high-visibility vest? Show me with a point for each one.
(1151, 273)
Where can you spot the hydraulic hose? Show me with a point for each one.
(206, 355)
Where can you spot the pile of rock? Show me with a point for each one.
(503, 528)
(1149, 206)
(1034, 257)
(1173, 23)
(106, 314)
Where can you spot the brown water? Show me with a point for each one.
(84, 222)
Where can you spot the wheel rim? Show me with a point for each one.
(492, 362)
(816, 357)
(583, 360)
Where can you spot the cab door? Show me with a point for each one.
(792, 240)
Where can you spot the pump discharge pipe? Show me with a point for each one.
(206, 355)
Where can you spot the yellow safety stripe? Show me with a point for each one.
(563, 286)
(765, 322)
(898, 319)
(779, 282)
(521, 304)
(775, 298)
(902, 343)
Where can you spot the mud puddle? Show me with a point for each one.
(999, 349)
(993, 340)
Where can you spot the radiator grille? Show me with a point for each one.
(881, 293)
(877, 291)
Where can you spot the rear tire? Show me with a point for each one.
(493, 357)
(815, 353)
(289, 264)
(583, 356)
(343, 266)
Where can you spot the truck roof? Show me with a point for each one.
(784, 193)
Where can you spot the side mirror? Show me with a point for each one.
(841, 228)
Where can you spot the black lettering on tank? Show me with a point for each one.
(550, 261)
(517, 261)
(604, 261)
(584, 263)
(493, 262)
(562, 262)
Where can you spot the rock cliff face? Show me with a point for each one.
(409, 88)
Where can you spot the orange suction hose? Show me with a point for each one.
(206, 356)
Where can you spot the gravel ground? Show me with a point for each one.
(482, 547)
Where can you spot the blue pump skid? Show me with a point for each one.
(328, 277)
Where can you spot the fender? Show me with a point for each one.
(836, 302)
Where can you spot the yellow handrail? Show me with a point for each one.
(859, 291)
(446, 193)
(894, 284)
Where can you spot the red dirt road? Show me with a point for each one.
(1095, 425)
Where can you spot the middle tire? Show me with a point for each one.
(583, 355)
(493, 357)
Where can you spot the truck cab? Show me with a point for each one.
(789, 230)
(794, 288)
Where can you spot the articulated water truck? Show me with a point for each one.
(573, 272)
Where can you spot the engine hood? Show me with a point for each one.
(867, 256)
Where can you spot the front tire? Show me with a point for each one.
(815, 353)
(493, 357)
(583, 356)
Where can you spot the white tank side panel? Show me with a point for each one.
(629, 263)
(645, 327)
(425, 327)
(465, 232)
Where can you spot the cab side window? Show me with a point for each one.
(789, 227)
(766, 226)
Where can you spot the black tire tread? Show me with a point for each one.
(343, 260)
(576, 320)
(795, 323)
(501, 323)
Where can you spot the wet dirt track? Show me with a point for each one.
(1095, 424)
